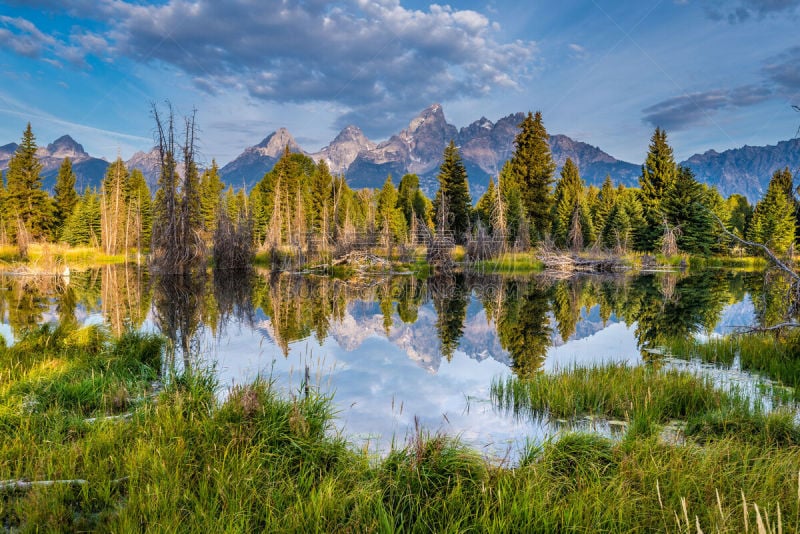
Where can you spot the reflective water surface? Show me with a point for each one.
(398, 351)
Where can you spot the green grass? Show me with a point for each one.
(777, 358)
(510, 263)
(185, 462)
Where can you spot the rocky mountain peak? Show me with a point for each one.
(344, 149)
(274, 144)
(66, 147)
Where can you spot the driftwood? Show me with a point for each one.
(560, 261)
(362, 259)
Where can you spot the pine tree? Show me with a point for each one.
(454, 188)
(321, 198)
(114, 208)
(773, 222)
(4, 219)
(569, 206)
(532, 169)
(211, 188)
(658, 173)
(389, 217)
(741, 212)
(65, 197)
(407, 193)
(28, 206)
(685, 207)
(140, 211)
(486, 206)
(82, 227)
(605, 202)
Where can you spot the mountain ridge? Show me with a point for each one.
(484, 145)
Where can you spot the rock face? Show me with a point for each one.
(343, 150)
(250, 166)
(150, 165)
(417, 149)
(89, 171)
(745, 170)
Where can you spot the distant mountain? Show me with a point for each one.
(150, 165)
(344, 150)
(745, 170)
(484, 145)
(89, 171)
(250, 166)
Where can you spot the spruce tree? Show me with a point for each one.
(211, 188)
(140, 211)
(486, 206)
(4, 221)
(114, 208)
(389, 217)
(741, 212)
(658, 173)
(773, 222)
(28, 206)
(685, 207)
(568, 201)
(453, 188)
(65, 197)
(605, 202)
(407, 193)
(532, 169)
(321, 198)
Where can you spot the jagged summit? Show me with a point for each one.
(344, 149)
(66, 147)
(275, 143)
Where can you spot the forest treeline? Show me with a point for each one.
(299, 210)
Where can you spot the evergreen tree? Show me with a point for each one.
(4, 219)
(407, 193)
(569, 206)
(453, 188)
(510, 203)
(740, 214)
(684, 206)
(211, 188)
(82, 227)
(605, 202)
(658, 173)
(114, 208)
(28, 206)
(65, 195)
(389, 217)
(532, 168)
(140, 211)
(486, 206)
(321, 198)
(773, 222)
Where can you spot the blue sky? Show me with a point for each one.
(716, 74)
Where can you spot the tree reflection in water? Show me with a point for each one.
(529, 314)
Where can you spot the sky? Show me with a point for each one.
(715, 74)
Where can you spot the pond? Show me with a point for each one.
(398, 353)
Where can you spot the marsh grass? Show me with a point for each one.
(183, 461)
(777, 358)
(510, 263)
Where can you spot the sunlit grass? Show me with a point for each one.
(510, 263)
(183, 461)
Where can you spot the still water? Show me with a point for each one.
(397, 353)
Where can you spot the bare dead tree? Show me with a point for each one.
(177, 245)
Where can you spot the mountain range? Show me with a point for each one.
(484, 145)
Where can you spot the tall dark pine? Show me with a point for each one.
(454, 191)
(532, 170)
(65, 197)
(684, 207)
(658, 173)
(28, 206)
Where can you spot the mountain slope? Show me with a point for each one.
(746, 170)
(251, 165)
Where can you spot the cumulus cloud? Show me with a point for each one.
(735, 11)
(376, 58)
(680, 112)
